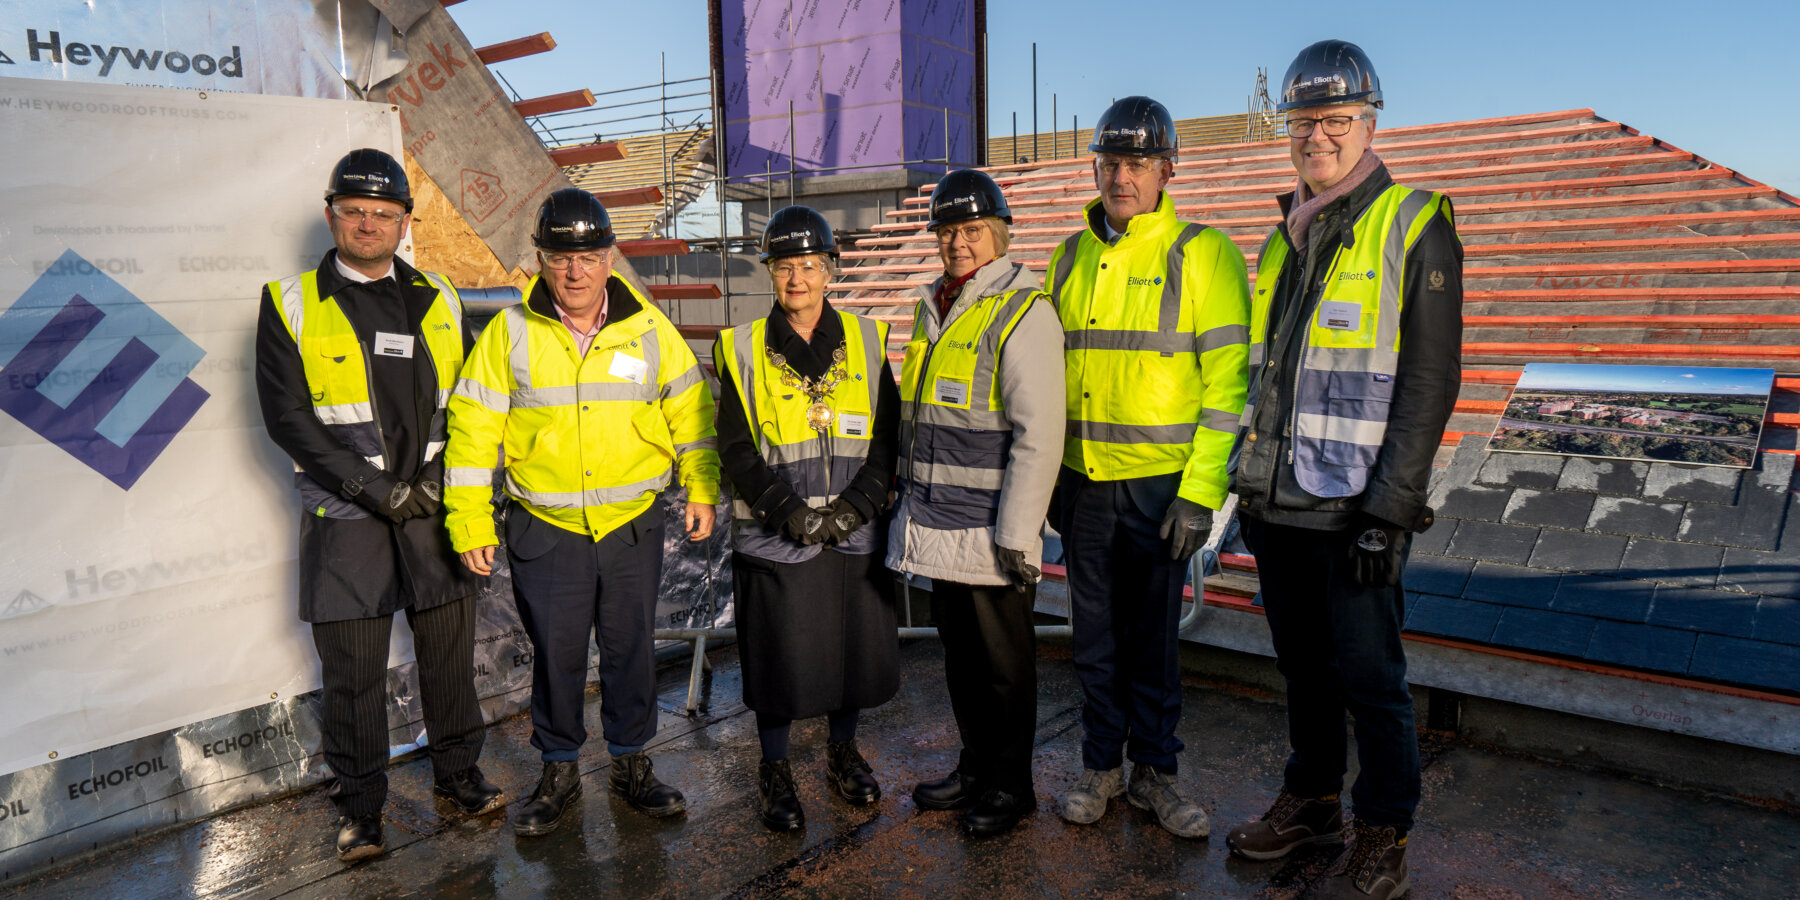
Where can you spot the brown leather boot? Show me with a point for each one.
(1292, 822)
(1373, 867)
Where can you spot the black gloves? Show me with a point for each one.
(841, 519)
(1186, 526)
(806, 525)
(1373, 548)
(1021, 573)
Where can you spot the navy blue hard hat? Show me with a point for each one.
(1135, 126)
(967, 194)
(368, 172)
(1330, 73)
(573, 220)
(796, 231)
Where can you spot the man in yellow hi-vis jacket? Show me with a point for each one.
(1156, 314)
(593, 396)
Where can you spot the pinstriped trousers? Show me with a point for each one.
(353, 658)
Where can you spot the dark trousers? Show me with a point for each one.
(990, 668)
(1338, 646)
(1124, 602)
(568, 587)
(353, 658)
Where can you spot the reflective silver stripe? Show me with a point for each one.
(711, 443)
(1351, 359)
(1065, 266)
(432, 449)
(468, 476)
(487, 397)
(1256, 354)
(979, 478)
(1336, 428)
(443, 398)
(1219, 420)
(346, 413)
(932, 414)
(452, 300)
(981, 386)
(378, 461)
(744, 345)
(587, 498)
(586, 392)
(1147, 341)
(652, 346)
(1111, 433)
(1170, 316)
(740, 509)
(682, 382)
(813, 448)
(1249, 415)
(1223, 336)
(1393, 254)
(519, 355)
(293, 300)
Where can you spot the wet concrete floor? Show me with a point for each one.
(1492, 825)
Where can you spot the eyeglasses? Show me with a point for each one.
(563, 262)
(1136, 165)
(356, 215)
(1335, 126)
(971, 234)
(789, 270)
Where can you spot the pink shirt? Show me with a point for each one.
(583, 340)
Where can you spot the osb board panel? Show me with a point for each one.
(443, 242)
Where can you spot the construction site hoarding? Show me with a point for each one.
(296, 48)
(829, 86)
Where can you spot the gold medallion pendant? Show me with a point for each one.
(819, 416)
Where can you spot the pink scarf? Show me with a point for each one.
(1305, 206)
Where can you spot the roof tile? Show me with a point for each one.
(1670, 562)
(1544, 631)
(1603, 476)
(1614, 598)
(1754, 522)
(1760, 572)
(1698, 609)
(1707, 484)
(1476, 502)
(1552, 509)
(1492, 541)
(1454, 617)
(1758, 663)
(1637, 518)
(1511, 585)
(1432, 541)
(1436, 575)
(1778, 620)
(1641, 646)
(1526, 470)
(1578, 551)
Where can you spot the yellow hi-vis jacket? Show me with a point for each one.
(337, 376)
(1156, 326)
(588, 441)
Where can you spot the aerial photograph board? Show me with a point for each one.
(1686, 414)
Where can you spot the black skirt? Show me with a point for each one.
(816, 636)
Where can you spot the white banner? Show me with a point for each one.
(147, 577)
(299, 48)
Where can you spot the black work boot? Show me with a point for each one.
(1373, 867)
(1291, 823)
(850, 773)
(470, 792)
(555, 796)
(953, 791)
(777, 800)
(359, 838)
(634, 781)
(998, 811)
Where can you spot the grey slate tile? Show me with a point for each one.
(1753, 522)
(1476, 502)
(1436, 575)
(1778, 620)
(1746, 662)
(1432, 541)
(1578, 551)
(1670, 562)
(1544, 631)
(1635, 518)
(1454, 617)
(1698, 609)
(1511, 585)
(1760, 572)
(1526, 470)
(1603, 476)
(1471, 452)
(1774, 471)
(1551, 509)
(1642, 646)
(1493, 541)
(1623, 599)
(1706, 484)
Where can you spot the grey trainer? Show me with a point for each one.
(1085, 803)
(1155, 791)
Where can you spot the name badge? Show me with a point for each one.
(852, 425)
(952, 393)
(1340, 315)
(400, 345)
(629, 368)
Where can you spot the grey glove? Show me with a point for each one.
(1021, 573)
(1374, 549)
(842, 518)
(807, 526)
(1186, 526)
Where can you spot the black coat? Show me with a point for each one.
(360, 568)
(1425, 384)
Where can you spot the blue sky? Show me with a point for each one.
(1716, 79)
(1683, 379)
